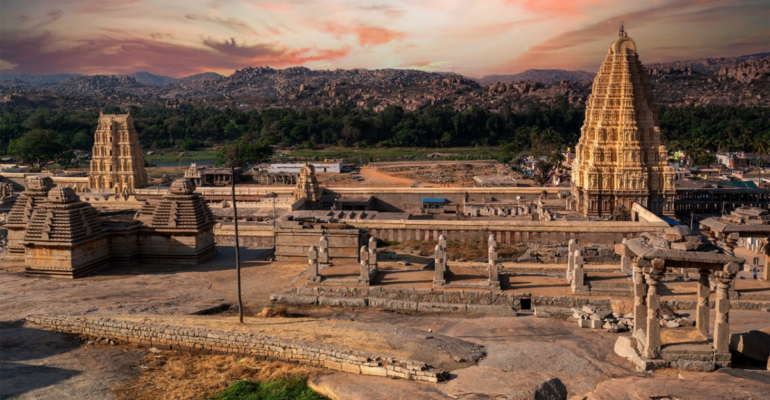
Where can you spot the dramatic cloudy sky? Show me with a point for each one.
(472, 37)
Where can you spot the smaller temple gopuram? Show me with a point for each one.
(620, 159)
(117, 164)
(307, 185)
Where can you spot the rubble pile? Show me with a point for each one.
(614, 322)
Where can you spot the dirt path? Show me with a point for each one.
(374, 177)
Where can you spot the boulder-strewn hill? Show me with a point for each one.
(741, 81)
(547, 76)
(203, 76)
(147, 78)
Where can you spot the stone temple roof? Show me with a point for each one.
(679, 243)
(35, 195)
(181, 208)
(63, 218)
(746, 221)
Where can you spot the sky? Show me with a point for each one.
(471, 37)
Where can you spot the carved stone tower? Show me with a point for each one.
(307, 185)
(117, 164)
(620, 159)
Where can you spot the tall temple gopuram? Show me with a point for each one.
(117, 164)
(620, 159)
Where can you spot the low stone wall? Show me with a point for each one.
(422, 295)
(229, 342)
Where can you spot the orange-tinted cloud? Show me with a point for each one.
(367, 35)
(119, 54)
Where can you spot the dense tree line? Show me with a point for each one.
(537, 127)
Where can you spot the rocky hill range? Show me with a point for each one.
(740, 81)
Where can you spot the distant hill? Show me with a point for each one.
(203, 76)
(546, 76)
(737, 81)
(146, 78)
(37, 79)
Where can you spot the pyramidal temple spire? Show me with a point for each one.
(622, 31)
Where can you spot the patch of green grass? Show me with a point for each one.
(292, 388)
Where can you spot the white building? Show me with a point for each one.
(334, 166)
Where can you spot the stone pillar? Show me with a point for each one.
(312, 265)
(640, 298)
(494, 280)
(722, 324)
(442, 241)
(492, 241)
(572, 247)
(363, 276)
(702, 306)
(323, 251)
(578, 279)
(766, 273)
(652, 344)
(438, 259)
(373, 253)
(625, 261)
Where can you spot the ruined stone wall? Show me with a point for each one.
(295, 243)
(205, 340)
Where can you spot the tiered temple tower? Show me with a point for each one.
(307, 185)
(117, 164)
(620, 159)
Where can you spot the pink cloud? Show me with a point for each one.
(121, 54)
(367, 35)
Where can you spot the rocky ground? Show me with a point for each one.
(522, 356)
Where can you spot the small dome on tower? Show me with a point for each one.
(182, 186)
(62, 195)
(39, 182)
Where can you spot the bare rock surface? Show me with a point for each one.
(724, 384)
(43, 365)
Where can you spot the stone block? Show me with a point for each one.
(561, 313)
(341, 301)
(505, 311)
(595, 324)
(392, 304)
(441, 307)
(296, 299)
(375, 371)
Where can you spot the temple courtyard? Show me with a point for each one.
(486, 356)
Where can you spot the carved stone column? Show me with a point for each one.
(494, 280)
(652, 344)
(625, 261)
(438, 257)
(766, 272)
(570, 260)
(640, 297)
(312, 265)
(722, 324)
(363, 276)
(578, 280)
(702, 307)
(323, 252)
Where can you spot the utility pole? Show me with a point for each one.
(237, 246)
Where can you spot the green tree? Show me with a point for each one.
(38, 147)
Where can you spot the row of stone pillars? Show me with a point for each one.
(319, 257)
(647, 302)
(440, 262)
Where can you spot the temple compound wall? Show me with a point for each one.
(53, 232)
(294, 239)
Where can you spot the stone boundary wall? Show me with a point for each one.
(465, 302)
(393, 304)
(229, 342)
(422, 295)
